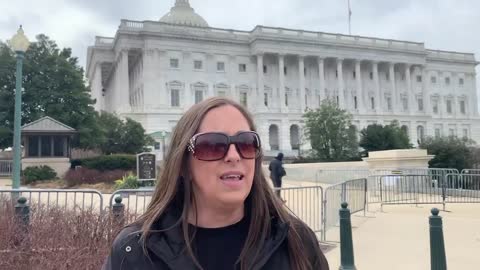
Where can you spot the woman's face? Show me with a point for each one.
(215, 183)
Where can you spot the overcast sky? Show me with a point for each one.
(451, 25)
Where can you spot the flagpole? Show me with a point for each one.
(349, 19)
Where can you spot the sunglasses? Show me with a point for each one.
(212, 146)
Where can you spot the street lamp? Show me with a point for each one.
(19, 44)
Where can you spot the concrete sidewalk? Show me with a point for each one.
(398, 238)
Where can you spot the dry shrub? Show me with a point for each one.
(55, 238)
(79, 176)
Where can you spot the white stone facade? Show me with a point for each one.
(154, 71)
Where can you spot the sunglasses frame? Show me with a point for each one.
(230, 140)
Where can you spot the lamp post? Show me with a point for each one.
(19, 44)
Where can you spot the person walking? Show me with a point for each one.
(277, 172)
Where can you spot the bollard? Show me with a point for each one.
(346, 241)
(22, 218)
(118, 211)
(438, 259)
(22, 212)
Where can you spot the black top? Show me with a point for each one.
(220, 248)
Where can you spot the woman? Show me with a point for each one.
(213, 208)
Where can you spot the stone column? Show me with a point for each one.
(321, 76)
(426, 91)
(360, 96)
(376, 84)
(341, 87)
(284, 135)
(98, 86)
(123, 86)
(410, 91)
(260, 83)
(472, 107)
(301, 74)
(395, 96)
(281, 83)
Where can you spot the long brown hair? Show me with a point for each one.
(174, 185)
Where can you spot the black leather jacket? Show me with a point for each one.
(166, 249)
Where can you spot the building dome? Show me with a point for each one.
(183, 14)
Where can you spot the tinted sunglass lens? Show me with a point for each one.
(248, 145)
(211, 146)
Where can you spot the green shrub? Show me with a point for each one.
(127, 182)
(32, 174)
(108, 163)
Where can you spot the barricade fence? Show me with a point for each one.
(354, 192)
(6, 168)
(316, 206)
(68, 199)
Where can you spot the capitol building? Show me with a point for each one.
(153, 71)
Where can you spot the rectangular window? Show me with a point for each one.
(354, 75)
(286, 99)
(420, 104)
(387, 76)
(46, 148)
(465, 133)
(198, 96)
(221, 66)
(372, 103)
(336, 73)
(285, 70)
(433, 79)
(305, 71)
(447, 80)
(174, 63)
(265, 69)
(435, 107)
(451, 132)
(371, 75)
(462, 107)
(461, 81)
(437, 133)
(175, 98)
(243, 99)
(242, 67)
(265, 99)
(58, 143)
(405, 103)
(198, 65)
(419, 78)
(222, 93)
(389, 103)
(449, 106)
(355, 102)
(33, 146)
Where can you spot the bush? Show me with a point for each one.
(105, 163)
(32, 174)
(90, 176)
(80, 240)
(127, 182)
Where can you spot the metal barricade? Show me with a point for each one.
(410, 189)
(136, 201)
(306, 204)
(462, 188)
(6, 167)
(68, 199)
(470, 171)
(354, 192)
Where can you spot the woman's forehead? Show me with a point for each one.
(227, 119)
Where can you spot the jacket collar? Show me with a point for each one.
(166, 241)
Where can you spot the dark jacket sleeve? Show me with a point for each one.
(317, 259)
(116, 260)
